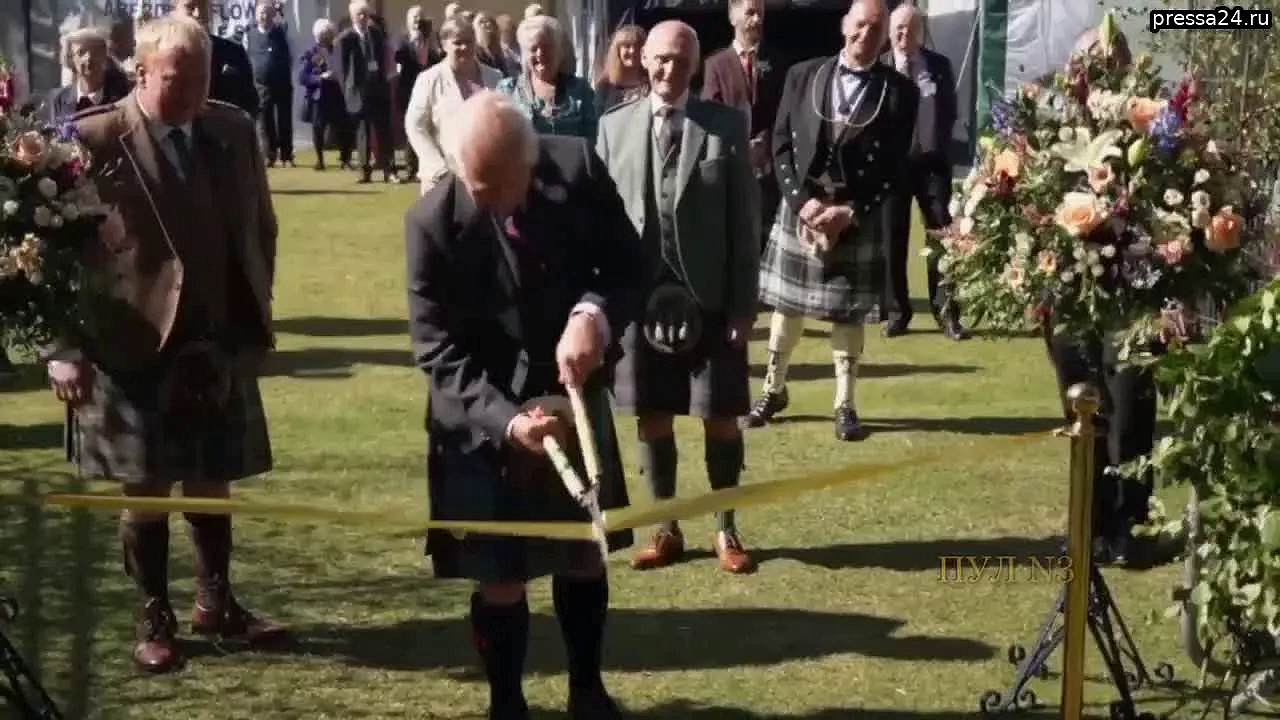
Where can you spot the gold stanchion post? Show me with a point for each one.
(1085, 401)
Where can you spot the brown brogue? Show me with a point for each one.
(233, 623)
(733, 556)
(157, 648)
(665, 548)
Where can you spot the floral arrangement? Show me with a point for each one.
(48, 207)
(1225, 442)
(1101, 202)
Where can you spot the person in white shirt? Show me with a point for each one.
(84, 54)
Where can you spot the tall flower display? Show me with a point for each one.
(1101, 200)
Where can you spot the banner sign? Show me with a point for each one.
(228, 18)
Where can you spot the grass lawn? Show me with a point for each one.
(846, 617)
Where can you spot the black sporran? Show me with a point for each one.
(197, 386)
(672, 321)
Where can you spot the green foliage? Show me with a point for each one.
(1224, 401)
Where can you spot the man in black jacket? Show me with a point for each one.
(268, 47)
(362, 52)
(231, 75)
(928, 172)
(523, 269)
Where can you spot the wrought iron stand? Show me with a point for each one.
(1124, 663)
(22, 691)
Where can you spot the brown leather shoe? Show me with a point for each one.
(665, 548)
(733, 556)
(157, 649)
(236, 624)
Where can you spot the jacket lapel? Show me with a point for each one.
(634, 154)
(692, 139)
(817, 105)
(155, 173)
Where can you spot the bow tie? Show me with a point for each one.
(860, 74)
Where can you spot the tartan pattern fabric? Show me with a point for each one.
(845, 287)
(120, 434)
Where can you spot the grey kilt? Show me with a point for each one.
(506, 484)
(121, 434)
(845, 288)
(709, 381)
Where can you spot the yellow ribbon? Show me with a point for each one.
(743, 496)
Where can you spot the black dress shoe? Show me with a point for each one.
(592, 704)
(896, 326)
(766, 407)
(848, 427)
(513, 710)
(364, 180)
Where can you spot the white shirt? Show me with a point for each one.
(160, 131)
(664, 111)
(850, 85)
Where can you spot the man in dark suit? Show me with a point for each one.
(681, 167)
(362, 52)
(748, 77)
(231, 74)
(163, 386)
(268, 47)
(928, 172)
(84, 53)
(844, 125)
(522, 270)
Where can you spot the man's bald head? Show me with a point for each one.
(670, 56)
(865, 28)
(906, 29)
(496, 148)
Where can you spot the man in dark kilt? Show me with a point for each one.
(162, 389)
(683, 169)
(840, 142)
(520, 267)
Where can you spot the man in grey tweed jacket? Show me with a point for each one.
(840, 141)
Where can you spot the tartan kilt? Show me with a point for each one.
(121, 433)
(845, 287)
(504, 483)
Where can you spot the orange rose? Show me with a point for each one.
(1080, 213)
(1008, 163)
(29, 149)
(1100, 177)
(1224, 230)
(1143, 111)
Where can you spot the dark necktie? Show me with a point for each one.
(669, 138)
(749, 65)
(179, 140)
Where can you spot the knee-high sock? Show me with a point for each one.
(581, 607)
(501, 636)
(658, 460)
(724, 466)
(146, 554)
(211, 535)
(846, 349)
(784, 335)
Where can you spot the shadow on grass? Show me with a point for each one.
(317, 326)
(26, 378)
(30, 437)
(959, 425)
(331, 362)
(908, 556)
(801, 372)
(685, 710)
(650, 640)
(50, 567)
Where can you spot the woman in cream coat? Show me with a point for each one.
(438, 92)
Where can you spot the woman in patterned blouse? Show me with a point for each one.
(558, 103)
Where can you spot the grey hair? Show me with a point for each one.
(488, 106)
(534, 10)
(322, 26)
(168, 32)
(455, 26)
(84, 36)
(358, 5)
(532, 28)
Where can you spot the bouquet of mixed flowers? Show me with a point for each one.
(48, 208)
(1100, 201)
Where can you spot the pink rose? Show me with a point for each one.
(1174, 251)
(29, 149)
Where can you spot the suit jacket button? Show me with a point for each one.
(861, 173)
(875, 143)
(866, 208)
(795, 192)
(870, 157)
(886, 186)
